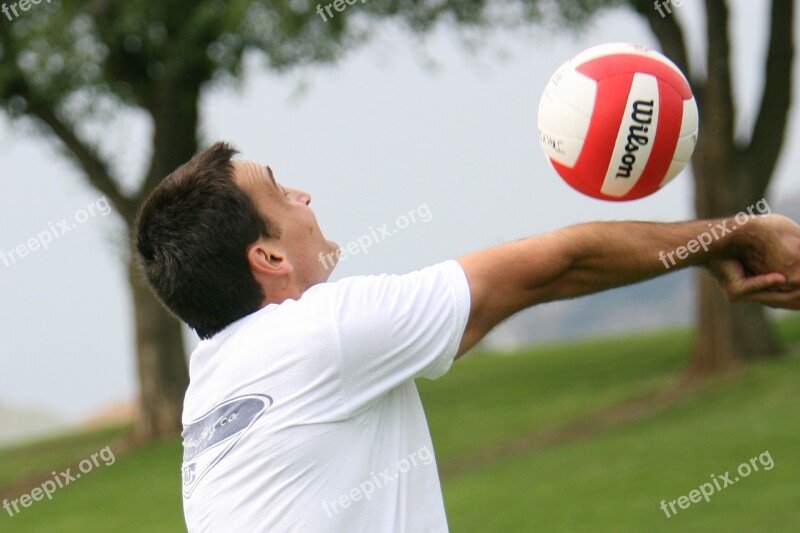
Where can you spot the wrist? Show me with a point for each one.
(714, 240)
(748, 234)
(738, 237)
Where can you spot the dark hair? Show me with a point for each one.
(192, 235)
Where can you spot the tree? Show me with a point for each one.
(731, 173)
(61, 64)
(58, 63)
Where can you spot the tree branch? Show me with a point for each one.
(87, 158)
(720, 111)
(671, 38)
(769, 131)
(668, 32)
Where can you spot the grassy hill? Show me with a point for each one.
(23, 425)
(582, 437)
(613, 475)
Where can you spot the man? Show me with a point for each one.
(302, 414)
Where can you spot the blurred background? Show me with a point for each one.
(577, 415)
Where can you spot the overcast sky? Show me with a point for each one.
(371, 139)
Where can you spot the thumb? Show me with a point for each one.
(749, 285)
(737, 284)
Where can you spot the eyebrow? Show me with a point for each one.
(271, 176)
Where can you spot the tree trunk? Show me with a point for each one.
(161, 355)
(161, 362)
(715, 351)
(731, 174)
(726, 334)
(725, 184)
(753, 331)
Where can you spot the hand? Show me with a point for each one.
(766, 265)
(767, 289)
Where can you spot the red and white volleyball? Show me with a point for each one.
(618, 121)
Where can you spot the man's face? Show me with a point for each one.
(300, 234)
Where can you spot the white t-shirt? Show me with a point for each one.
(304, 416)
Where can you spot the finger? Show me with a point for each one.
(781, 300)
(787, 287)
(760, 283)
(743, 287)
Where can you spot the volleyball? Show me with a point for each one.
(618, 121)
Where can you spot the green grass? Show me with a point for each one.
(31, 460)
(607, 480)
(616, 480)
(486, 399)
(139, 492)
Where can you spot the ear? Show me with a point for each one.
(268, 257)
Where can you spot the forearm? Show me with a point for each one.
(588, 258)
(757, 260)
(603, 255)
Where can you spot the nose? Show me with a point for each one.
(301, 196)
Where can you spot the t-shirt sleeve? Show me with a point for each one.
(396, 328)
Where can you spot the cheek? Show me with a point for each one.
(303, 233)
(310, 224)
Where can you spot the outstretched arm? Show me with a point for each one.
(758, 261)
